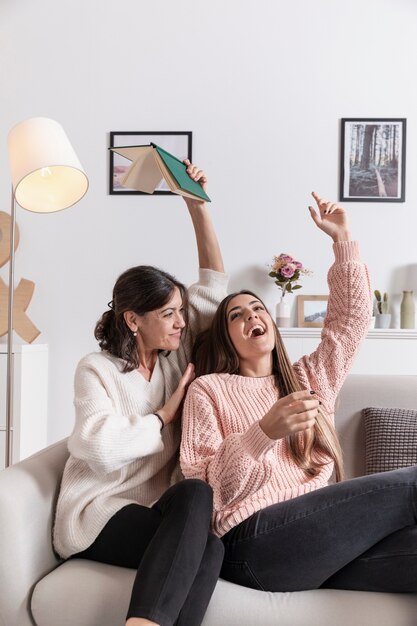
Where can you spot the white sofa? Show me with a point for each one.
(35, 588)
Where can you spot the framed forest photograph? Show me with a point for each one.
(178, 143)
(372, 167)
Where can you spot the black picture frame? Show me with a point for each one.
(373, 159)
(178, 143)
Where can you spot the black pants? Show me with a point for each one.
(359, 534)
(177, 559)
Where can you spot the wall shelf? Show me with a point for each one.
(383, 351)
(373, 333)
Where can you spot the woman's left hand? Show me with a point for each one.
(331, 219)
(198, 176)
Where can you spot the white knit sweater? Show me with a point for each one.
(118, 454)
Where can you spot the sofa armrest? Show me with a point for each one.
(28, 491)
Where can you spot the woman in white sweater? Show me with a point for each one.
(122, 500)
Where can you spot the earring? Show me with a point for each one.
(134, 333)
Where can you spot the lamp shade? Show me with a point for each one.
(46, 173)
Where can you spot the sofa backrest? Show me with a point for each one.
(359, 392)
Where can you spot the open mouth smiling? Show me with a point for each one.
(256, 331)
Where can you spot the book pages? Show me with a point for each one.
(170, 180)
(143, 174)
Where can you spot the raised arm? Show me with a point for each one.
(209, 254)
(348, 312)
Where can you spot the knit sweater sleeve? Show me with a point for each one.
(204, 297)
(346, 324)
(234, 465)
(105, 438)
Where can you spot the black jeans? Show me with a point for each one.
(177, 559)
(359, 534)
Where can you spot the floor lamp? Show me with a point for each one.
(46, 177)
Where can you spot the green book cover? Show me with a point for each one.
(179, 171)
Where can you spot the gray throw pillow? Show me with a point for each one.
(390, 439)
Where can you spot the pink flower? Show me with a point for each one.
(288, 271)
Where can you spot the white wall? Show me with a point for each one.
(261, 85)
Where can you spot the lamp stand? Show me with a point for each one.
(46, 177)
(9, 378)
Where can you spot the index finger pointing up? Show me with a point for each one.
(318, 199)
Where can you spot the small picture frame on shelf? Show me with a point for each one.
(311, 311)
(372, 159)
(178, 143)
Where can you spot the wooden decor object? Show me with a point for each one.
(23, 293)
(5, 238)
(22, 324)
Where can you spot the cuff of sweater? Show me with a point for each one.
(211, 278)
(256, 442)
(345, 251)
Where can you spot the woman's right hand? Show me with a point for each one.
(170, 409)
(331, 219)
(291, 414)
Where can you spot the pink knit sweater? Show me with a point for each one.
(222, 442)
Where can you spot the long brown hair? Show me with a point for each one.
(141, 289)
(214, 352)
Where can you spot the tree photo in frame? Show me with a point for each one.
(178, 143)
(311, 311)
(373, 160)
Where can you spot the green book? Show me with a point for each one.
(151, 164)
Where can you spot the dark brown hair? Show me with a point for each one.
(214, 352)
(140, 289)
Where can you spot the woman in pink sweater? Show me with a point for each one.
(260, 432)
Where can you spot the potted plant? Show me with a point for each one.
(286, 272)
(383, 316)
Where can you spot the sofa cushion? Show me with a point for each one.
(84, 593)
(390, 438)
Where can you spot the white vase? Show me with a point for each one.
(382, 320)
(282, 313)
